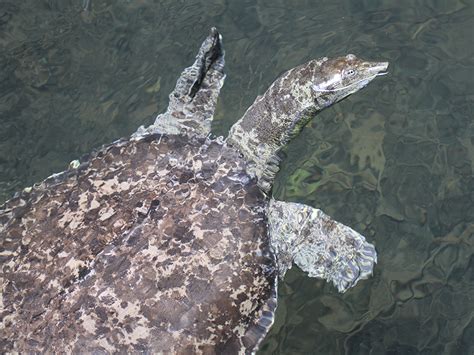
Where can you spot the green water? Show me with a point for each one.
(395, 161)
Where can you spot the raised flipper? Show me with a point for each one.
(193, 101)
(319, 245)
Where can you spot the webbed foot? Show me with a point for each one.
(194, 99)
(319, 245)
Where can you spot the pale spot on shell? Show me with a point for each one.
(106, 213)
(88, 323)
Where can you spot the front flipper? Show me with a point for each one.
(194, 99)
(319, 245)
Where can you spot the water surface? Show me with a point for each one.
(395, 161)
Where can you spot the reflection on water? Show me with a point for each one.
(394, 161)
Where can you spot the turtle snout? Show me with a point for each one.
(378, 68)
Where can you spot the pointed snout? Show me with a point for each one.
(378, 67)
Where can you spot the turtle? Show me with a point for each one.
(170, 240)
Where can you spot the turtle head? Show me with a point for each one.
(338, 78)
(290, 103)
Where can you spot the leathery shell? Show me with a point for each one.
(157, 244)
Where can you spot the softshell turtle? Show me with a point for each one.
(169, 241)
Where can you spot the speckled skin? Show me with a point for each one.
(137, 250)
(160, 243)
(290, 103)
(322, 247)
(157, 243)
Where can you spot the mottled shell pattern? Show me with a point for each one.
(169, 241)
(156, 244)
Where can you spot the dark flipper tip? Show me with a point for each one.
(194, 99)
(211, 54)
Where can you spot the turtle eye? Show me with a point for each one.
(350, 72)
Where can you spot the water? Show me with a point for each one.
(395, 162)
